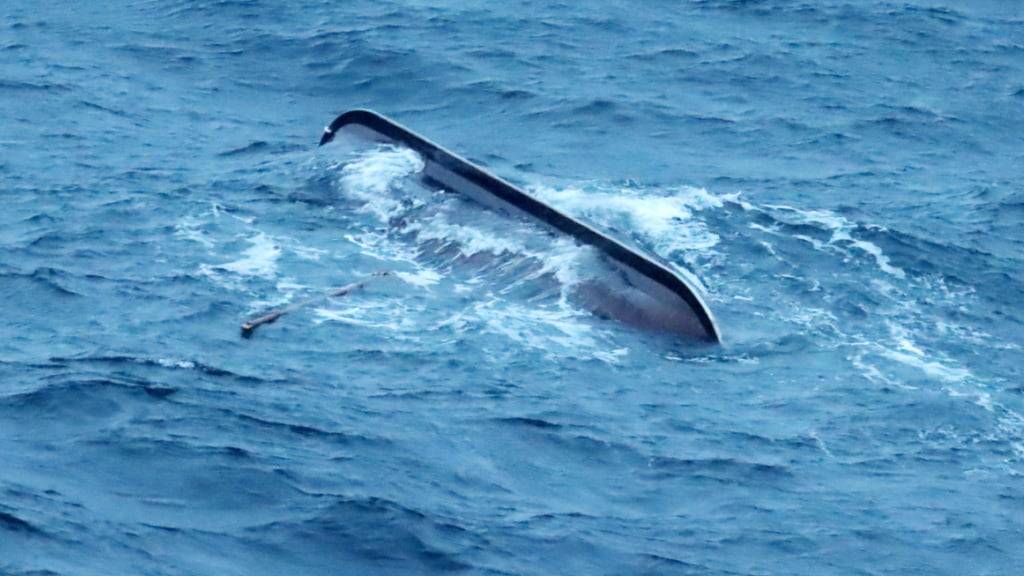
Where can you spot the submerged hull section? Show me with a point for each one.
(644, 292)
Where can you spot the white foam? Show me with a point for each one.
(379, 315)
(931, 368)
(174, 363)
(377, 245)
(306, 253)
(769, 248)
(558, 332)
(370, 177)
(375, 180)
(841, 233)
(472, 240)
(872, 249)
(821, 443)
(666, 221)
(737, 199)
(866, 370)
(260, 259)
(907, 352)
(560, 257)
(887, 360)
(563, 260)
(190, 228)
(422, 278)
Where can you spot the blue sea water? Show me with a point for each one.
(844, 178)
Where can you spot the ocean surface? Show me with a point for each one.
(845, 179)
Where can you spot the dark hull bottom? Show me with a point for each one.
(643, 292)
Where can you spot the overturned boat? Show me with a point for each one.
(643, 291)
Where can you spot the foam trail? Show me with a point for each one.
(666, 221)
(841, 231)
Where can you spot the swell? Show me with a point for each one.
(916, 255)
(163, 364)
(264, 425)
(631, 459)
(378, 531)
(47, 278)
(12, 523)
(720, 469)
(51, 408)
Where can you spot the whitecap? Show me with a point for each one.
(260, 259)
(190, 228)
(422, 277)
(665, 220)
(370, 177)
(841, 231)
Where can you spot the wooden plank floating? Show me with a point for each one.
(270, 317)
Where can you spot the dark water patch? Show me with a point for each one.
(492, 53)
(257, 147)
(164, 364)
(529, 422)
(672, 54)
(910, 113)
(796, 443)
(376, 530)
(848, 176)
(162, 54)
(101, 108)
(23, 86)
(223, 457)
(557, 518)
(11, 523)
(181, 478)
(972, 545)
(598, 106)
(652, 563)
(791, 124)
(898, 126)
(50, 279)
(246, 9)
(707, 121)
(308, 431)
(160, 392)
(720, 469)
(755, 7)
(62, 238)
(17, 572)
(79, 398)
(415, 394)
(42, 218)
(942, 14)
(260, 147)
(587, 449)
(497, 88)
